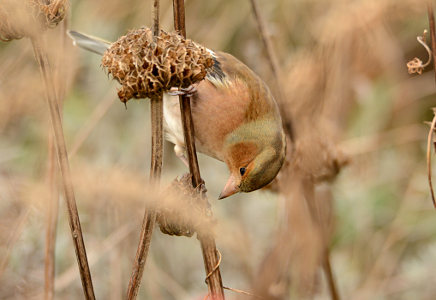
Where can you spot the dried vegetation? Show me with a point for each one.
(352, 103)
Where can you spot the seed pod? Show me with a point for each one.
(182, 212)
(145, 65)
(20, 18)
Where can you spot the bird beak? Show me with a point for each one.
(230, 188)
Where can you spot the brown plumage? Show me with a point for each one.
(236, 120)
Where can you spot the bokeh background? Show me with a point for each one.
(343, 73)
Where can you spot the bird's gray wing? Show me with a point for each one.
(88, 42)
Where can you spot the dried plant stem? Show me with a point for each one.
(274, 64)
(433, 123)
(52, 217)
(53, 205)
(429, 144)
(432, 33)
(329, 275)
(149, 220)
(156, 111)
(316, 219)
(62, 155)
(289, 130)
(207, 240)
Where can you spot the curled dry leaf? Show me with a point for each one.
(416, 65)
(20, 18)
(145, 66)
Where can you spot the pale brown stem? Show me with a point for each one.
(53, 205)
(275, 67)
(206, 239)
(64, 168)
(272, 58)
(52, 216)
(150, 213)
(432, 33)
(156, 112)
(432, 128)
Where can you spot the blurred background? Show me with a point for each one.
(360, 142)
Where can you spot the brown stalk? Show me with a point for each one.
(52, 216)
(156, 111)
(207, 240)
(274, 64)
(272, 58)
(429, 143)
(432, 33)
(433, 123)
(53, 205)
(62, 155)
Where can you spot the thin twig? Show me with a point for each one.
(429, 144)
(15, 234)
(433, 123)
(207, 240)
(289, 130)
(83, 133)
(156, 111)
(432, 33)
(53, 205)
(52, 218)
(64, 167)
(275, 67)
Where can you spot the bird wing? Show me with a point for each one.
(88, 42)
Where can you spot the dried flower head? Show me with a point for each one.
(20, 18)
(182, 212)
(415, 66)
(147, 65)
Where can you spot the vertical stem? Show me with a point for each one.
(52, 216)
(275, 67)
(430, 134)
(156, 112)
(53, 205)
(432, 33)
(207, 241)
(64, 168)
(289, 130)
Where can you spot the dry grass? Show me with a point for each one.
(352, 101)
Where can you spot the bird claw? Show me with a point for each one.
(189, 91)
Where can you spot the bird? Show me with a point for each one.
(236, 120)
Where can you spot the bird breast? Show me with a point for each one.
(216, 112)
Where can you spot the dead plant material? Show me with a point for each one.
(156, 112)
(430, 141)
(189, 214)
(416, 65)
(64, 167)
(207, 240)
(28, 18)
(145, 67)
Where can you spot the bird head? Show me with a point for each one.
(254, 154)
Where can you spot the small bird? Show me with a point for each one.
(236, 120)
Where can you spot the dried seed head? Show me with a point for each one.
(415, 66)
(19, 18)
(183, 212)
(145, 66)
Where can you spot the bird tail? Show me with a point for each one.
(88, 42)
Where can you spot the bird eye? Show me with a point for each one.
(242, 171)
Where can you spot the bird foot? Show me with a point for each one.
(180, 153)
(189, 91)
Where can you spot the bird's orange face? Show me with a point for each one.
(251, 167)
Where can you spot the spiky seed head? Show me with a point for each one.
(145, 65)
(182, 212)
(28, 17)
